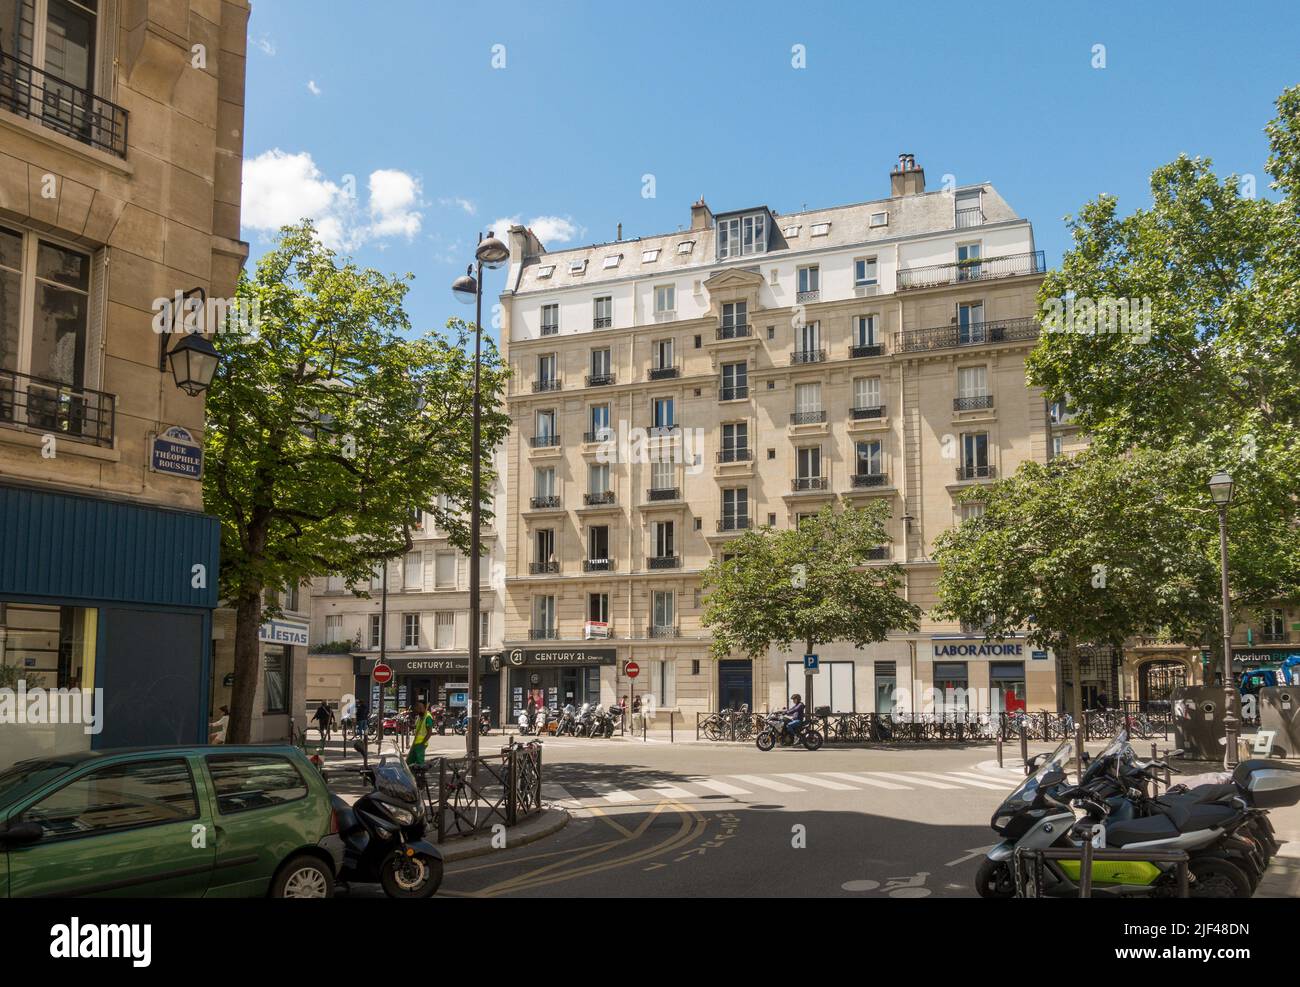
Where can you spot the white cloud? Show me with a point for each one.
(464, 204)
(549, 229)
(264, 43)
(282, 188)
(312, 87)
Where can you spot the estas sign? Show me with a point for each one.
(981, 649)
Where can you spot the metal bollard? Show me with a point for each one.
(671, 734)
(1024, 749)
(999, 750)
(1078, 754)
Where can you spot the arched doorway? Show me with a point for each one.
(1157, 680)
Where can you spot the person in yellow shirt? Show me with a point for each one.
(423, 729)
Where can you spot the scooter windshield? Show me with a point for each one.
(1028, 789)
(394, 779)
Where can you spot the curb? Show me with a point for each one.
(552, 820)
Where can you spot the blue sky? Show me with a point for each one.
(403, 96)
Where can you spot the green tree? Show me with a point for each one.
(1089, 549)
(811, 584)
(1217, 368)
(326, 428)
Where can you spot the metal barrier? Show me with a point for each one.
(1141, 722)
(949, 726)
(1029, 882)
(505, 788)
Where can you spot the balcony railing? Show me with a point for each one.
(544, 441)
(599, 380)
(735, 393)
(663, 562)
(551, 384)
(543, 633)
(663, 431)
(976, 334)
(664, 373)
(735, 455)
(597, 565)
(546, 502)
(600, 435)
(976, 269)
(49, 406)
(662, 493)
(735, 332)
(865, 350)
(543, 568)
(602, 322)
(870, 479)
(738, 523)
(550, 330)
(62, 107)
(807, 296)
(966, 218)
(808, 356)
(874, 411)
(598, 499)
(807, 417)
(973, 471)
(656, 630)
(802, 483)
(976, 402)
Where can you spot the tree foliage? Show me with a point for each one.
(811, 584)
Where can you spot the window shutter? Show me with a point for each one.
(98, 316)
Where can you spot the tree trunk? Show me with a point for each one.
(248, 619)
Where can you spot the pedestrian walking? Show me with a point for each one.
(323, 718)
(422, 731)
(217, 728)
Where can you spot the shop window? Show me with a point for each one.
(49, 647)
(277, 679)
(832, 686)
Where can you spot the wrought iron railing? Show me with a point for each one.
(808, 483)
(543, 634)
(807, 417)
(972, 471)
(597, 565)
(598, 499)
(808, 356)
(543, 568)
(545, 502)
(975, 269)
(600, 435)
(663, 562)
(505, 788)
(544, 441)
(735, 455)
(62, 107)
(966, 218)
(550, 384)
(602, 322)
(878, 554)
(977, 402)
(655, 630)
(733, 393)
(869, 479)
(860, 414)
(662, 493)
(735, 332)
(974, 334)
(857, 352)
(664, 373)
(50, 406)
(599, 380)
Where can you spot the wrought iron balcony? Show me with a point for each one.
(976, 334)
(602, 322)
(544, 441)
(550, 384)
(875, 411)
(663, 493)
(974, 471)
(599, 380)
(543, 503)
(598, 499)
(808, 356)
(870, 479)
(664, 373)
(803, 483)
(655, 630)
(50, 406)
(735, 332)
(62, 107)
(976, 269)
(663, 562)
(543, 634)
(597, 565)
(735, 455)
(663, 431)
(966, 218)
(858, 352)
(543, 568)
(601, 435)
(807, 417)
(736, 393)
(977, 402)
(550, 330)
(808, 296)
(739, 522)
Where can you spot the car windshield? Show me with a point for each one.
(1028, 789)
(26, 777)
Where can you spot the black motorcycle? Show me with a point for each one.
(382, 834)
(776, 731)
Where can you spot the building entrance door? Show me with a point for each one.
(735, 684)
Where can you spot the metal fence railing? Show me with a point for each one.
(505, 788)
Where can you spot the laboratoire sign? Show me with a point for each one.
(520, 657)
(979, 649)
(176, 452)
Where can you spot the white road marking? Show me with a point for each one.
(672, 791)
(977, 781)
(614, 794)
(865, 779)
(721, 787)
(914, 779)
(776, 786)
(821, 783)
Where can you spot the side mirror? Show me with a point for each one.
(21, 833)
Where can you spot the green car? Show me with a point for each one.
(168, 822)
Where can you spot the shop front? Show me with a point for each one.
(558, 677)
(281, 691)
(440, 681)
(989, 676)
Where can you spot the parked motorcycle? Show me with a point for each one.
(540, 719)
(567, 722)
(382, 834)
(775, 731)
(607, 720)
(585, 721)
(1222, 826)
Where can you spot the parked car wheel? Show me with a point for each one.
(303, 876)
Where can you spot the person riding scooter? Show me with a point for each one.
(794, 723)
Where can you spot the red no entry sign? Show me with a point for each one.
(383, 674)
(632, 669)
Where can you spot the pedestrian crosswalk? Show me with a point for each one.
(740, 787)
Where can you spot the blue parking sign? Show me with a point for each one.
(810, 663)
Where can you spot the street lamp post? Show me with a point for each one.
(491, 253)
(1221, 493)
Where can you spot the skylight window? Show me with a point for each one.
(611, 261)
(791, 232)
(650, 256)
(820, 229)
(880, 219)
(545, 272)
(578, 266)
(686, 246)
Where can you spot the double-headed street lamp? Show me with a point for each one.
(491, 253)
(1221, 493)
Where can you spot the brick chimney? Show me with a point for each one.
(701, 215)
(908, 178)
(523, 243)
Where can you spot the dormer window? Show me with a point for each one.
(686, 246)
(611, 261)
(578, 266)
(791, 232)
(545, 272)
(740, 236)
(820, 229)
(880, 219)
(650, 256)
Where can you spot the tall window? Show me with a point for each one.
(544, 481)
(735, 505)
(968, 255)
(550, 320)
(598, 542)
(663, 354)
(663, 413)
(734, 314)
(735, 439)
(739, 236)
(662, 682)
(484, 626)
(546, 365)
(808, 398)
(603, 312)
(410, 630)
(665, 298)
(970, 322)
(869, 461)
(598, 478)
(544, 543)
(809, 279)
(972, 382)
(544, 613)
(600, 363)
(546, 425)
(58, 38)
(445, 570)
(598, 607)
(866, 392)
(600, 429)
(809, 462)
(663, 539)
(413, 571)
(334, 628)
(864, 331)
(374, 630)
(662, 474)
(663, 609)
(975, 453)
(444, 630)
(735, 381)
(810, 336)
